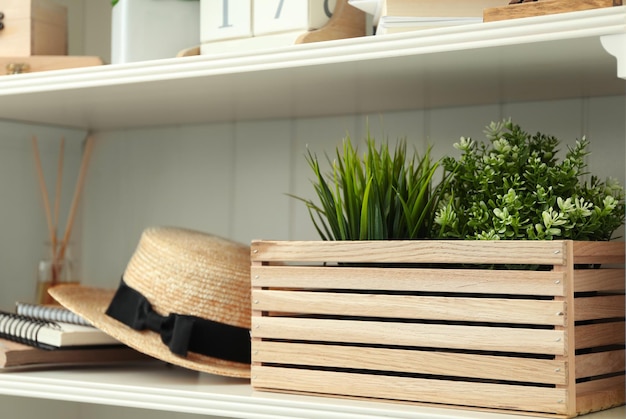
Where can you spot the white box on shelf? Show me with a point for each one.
(153, 29)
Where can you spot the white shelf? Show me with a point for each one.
(548, 57)
(160, 387)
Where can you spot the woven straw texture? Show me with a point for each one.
(178, 271)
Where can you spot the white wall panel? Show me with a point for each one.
(234, 179)
(262, 174)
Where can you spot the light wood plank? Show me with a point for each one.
(411, 361)
(536, 341)
(602, 334)
(594, 364)
(598, 252)
(496, 310)
(587, 280)
(600, 394)
(412, 389)
(548, 252)
(603, 307)
(406, 279)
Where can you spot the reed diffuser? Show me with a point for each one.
(56, 266)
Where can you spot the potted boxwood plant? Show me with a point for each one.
(514, 187)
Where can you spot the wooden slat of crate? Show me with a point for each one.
(586, 252)
(406, 279)
(601, 334)
(536, 341)
(600, 363)
(508, 368)
(602, 394)
(603, 280)
(495, 310)
(543, 7)
(412, 251)
(462, 393)
(599, 307)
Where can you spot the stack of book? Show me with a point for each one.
(37, 335)
(391, 16)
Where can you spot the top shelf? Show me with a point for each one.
(549, 57)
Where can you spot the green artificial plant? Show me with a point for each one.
(514, 187)
(385, 194)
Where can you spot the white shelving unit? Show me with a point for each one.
(550, 57)
(553, 57)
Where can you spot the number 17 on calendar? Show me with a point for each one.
(233, 19)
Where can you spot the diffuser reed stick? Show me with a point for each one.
(59, 248)
(77, 193)
(43, 189)
(57, 196)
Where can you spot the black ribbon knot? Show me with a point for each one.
(180, 333)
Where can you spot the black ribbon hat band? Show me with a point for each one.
(181, 333)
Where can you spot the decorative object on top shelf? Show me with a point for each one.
(524, 326)
(33, 27)
(391, 16)
(56, 267)
(524, 8)
(184, 298)
(247, 25)
(153, 29)
(33, 37)
(35, 63)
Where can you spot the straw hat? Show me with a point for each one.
(198, 288)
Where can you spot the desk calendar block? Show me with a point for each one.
(247, 25)
(275, 16)
(225, 19)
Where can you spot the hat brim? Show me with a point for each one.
(91, 303)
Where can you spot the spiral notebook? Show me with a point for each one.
(50, 334)
(55, 313)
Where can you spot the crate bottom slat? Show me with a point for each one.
(475, 366)
(601, 394)
(458, 393)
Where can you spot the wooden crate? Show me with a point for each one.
(441, 322)
(33, 27)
